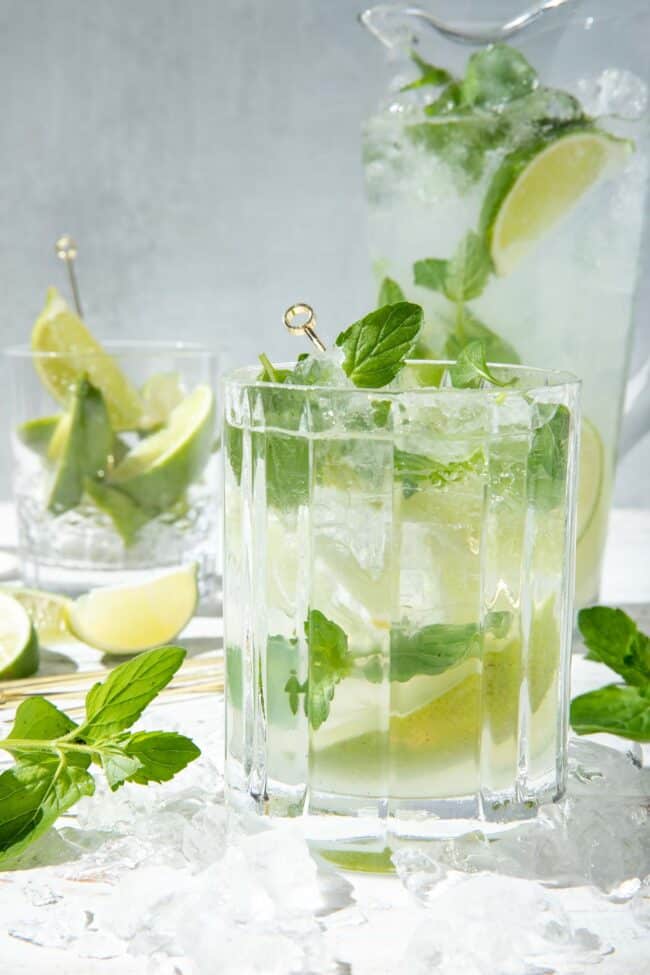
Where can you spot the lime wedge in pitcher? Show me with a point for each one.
(68, 350)
(537, 184)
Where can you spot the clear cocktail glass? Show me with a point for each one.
(398, 587)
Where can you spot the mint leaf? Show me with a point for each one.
(414, 470)
(469, 327)
(431, 273)
(389, 293)
(461, 142)
(448, 102)
(376, 346)
(269, 373)
(159, 754)
(614, 639)
(429, 74)
(468, 270)
(117, 765)
(496, 75)
(548, 459)
(294, 689)
(114, 704)
(33, 794)
(616, 710)
(329, 663)
(434, 649)
(37, 718)
(471, 368)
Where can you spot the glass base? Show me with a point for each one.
(359, 833)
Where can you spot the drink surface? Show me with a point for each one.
(397, 595)
(565, 299)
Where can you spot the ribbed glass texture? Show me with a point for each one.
(398, 601)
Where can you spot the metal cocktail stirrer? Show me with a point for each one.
(306, 327)
(66, 249)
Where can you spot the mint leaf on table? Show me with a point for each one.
(496, 75)
(468, 328)
(377, 345)
(471, 368)
(429, 74)
(389, 293)
(117, 702)
(53, 753)
(616, 709)
(613, 638)
(547, 460)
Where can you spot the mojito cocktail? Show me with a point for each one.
(113, 449)
(506, 195)
(398, 581)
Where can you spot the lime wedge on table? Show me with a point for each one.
(48, 612)
(127, 619)
(85, 448)
(160, 394)
(69, 351)
(160, 468)
(37, 434)
(18, 640)
(537, 184)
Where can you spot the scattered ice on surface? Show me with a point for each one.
(164, 878)
(615, 92)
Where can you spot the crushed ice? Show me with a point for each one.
(166, 879)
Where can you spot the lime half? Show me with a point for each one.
(48, 612)
(18, 640)
(68, 350)
(537, 184)
(160, 468)
(127, 619)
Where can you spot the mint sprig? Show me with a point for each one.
(613, 638)
(430, 74)
(329, 662)
(376, 346)
(471, 368)
(53, 753)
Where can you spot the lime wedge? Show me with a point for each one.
(160, 395)
(59, 437)
(37, 434)
(48, 612)
(160, 468)
(590, 476)
(537, 184)
(69, 350)
(127, 619)
(86, 448)
(127, 516)
(18, 640)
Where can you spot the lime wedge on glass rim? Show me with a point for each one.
(19, 652)
(157, 471)
(537, 184)
(128, 619)
(68, 350)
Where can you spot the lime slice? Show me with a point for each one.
(59, 437)
(160, 468)
(127, 619)
(590, 476)
(48, 612)
(69, 350)
(85, 450)
(37, 434)
(18, 640)
(127, 516)
(160, 395)
(537, 184)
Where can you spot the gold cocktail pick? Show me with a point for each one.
(66, 248)
(306, 326)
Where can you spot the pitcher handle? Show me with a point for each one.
(636, 409)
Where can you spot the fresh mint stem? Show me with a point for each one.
(270, 373)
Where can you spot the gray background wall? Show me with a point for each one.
(205, 154)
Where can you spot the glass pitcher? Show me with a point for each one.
(506, 176)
